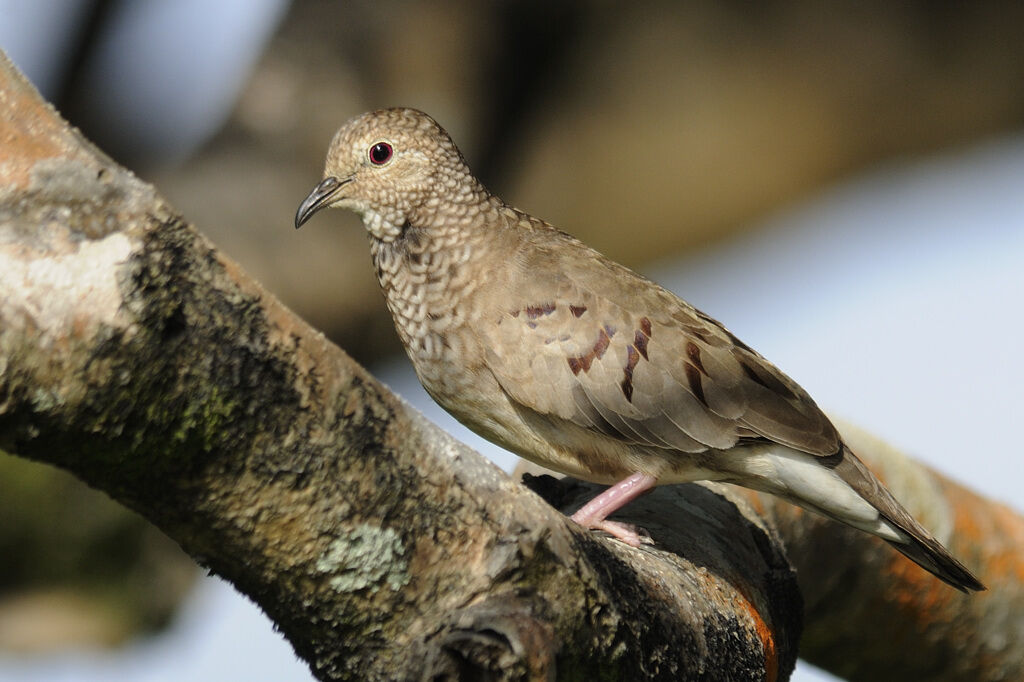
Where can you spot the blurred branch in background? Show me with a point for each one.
(78, 569)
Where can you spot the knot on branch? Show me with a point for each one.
(500, 638)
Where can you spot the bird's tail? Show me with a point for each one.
(906, 534)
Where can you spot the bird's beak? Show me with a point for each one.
(318, 198)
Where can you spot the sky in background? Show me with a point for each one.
(896, 300)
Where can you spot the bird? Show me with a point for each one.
(543, 346)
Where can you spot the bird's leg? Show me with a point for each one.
(594, 513)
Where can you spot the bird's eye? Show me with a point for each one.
(380, 153)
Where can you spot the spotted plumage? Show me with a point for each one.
(546, 347)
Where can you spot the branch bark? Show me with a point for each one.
(135, 355)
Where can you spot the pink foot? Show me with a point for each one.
(594, 513)
(634, 536)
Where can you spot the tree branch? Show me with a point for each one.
(135, 355)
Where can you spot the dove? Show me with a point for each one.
(544, 346)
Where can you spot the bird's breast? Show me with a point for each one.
(429, 291)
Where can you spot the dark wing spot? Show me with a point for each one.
(584, 361)
(645, 326)
(514, 313)
(535, 311)
(603, 341)
(693, 377)
(632, 357)
(577, 310)
(693, 352)
(640, 341)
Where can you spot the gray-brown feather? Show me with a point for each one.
(588, 341)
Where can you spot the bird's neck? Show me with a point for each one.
(428, 270)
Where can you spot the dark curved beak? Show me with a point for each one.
(318, 198)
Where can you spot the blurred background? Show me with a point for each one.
(842, 183)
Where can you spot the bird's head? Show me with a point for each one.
(388, 166)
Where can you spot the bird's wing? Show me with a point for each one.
(606, 349)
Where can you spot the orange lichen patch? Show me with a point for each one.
(756, 501)
(767, 637)
(920, 594)
(988, 531)
(30, 129)
(730, 591)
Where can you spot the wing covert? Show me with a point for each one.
(612, 352)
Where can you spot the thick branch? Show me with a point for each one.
(139, 358)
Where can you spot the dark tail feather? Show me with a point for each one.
(920, 547)
(927, 553)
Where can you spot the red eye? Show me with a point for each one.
(380, 153)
